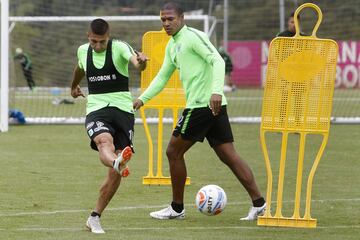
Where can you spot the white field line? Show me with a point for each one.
(175, 228)
(16, 214)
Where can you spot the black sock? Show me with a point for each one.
(94, 214)
(259, 202)
(177, 207)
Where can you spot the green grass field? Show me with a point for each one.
(49, 181)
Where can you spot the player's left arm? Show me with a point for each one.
(139, 60)
(203, 47)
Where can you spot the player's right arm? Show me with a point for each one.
(75, 87)
(78, 75)
(158, 83)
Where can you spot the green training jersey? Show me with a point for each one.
(202, 69)
(121, 54)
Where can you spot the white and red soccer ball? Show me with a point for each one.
(211, 200)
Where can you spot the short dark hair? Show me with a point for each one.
(293, 14)
(99, 26)
(173, 6)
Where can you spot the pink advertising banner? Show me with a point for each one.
(250, 59)
(246, 58)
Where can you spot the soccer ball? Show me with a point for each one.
(211, 200)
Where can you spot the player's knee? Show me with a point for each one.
(169, 152)
(173, 154)
(102, 142)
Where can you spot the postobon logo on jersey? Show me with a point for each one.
(100, 78)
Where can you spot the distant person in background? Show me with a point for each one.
(26, 66)
(290, 31)
(229, 85)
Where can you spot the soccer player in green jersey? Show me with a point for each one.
(109, 112)
(202, 73)
(26, 66)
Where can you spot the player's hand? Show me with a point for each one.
(76, 92)
(215, 103)
(137, 104)
(141, 57)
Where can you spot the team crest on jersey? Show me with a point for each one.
(178, 48)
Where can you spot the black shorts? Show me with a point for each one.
(118, 123)
(197, 123)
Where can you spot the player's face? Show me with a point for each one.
(291, 25)
(171, 21)
(98, 42)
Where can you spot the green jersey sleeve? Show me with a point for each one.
(81, 55)
(123, 50)
(203, 47)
